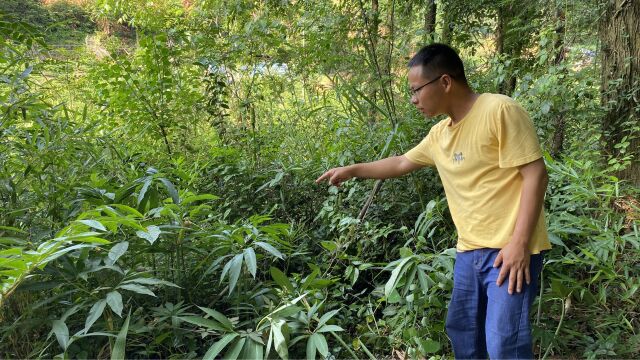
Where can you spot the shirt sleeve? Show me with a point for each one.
(422, 153)
(517, 139)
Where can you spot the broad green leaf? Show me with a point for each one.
(128, 209)
(116, 252)
(311, 349)
(94, 224)
(252, 349)
(206, 323)
(268, 247)
(250, 261)
(216, 348)
(328, 328)
(396, 274)
(329, 245)
(137, 288)
(62, 333)
(428, 346)
(281, 279)
(11, 228)
(171, 190)
(145, 187)
(151, 235)
(234, 271)
(118, 351)
(323, 320)
(279, 341)
(234, 351)
(94, 313)
(114, 299)
(194, 198)
(150, 281)
(223, 320)
(320, 344)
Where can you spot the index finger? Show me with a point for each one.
(323, 176)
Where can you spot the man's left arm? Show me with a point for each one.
(515, 256)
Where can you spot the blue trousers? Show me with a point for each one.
(483, 319)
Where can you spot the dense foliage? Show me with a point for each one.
(157, 167)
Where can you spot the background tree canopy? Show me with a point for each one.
(158, 160)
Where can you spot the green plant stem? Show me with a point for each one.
(557, 330)
(353, 354)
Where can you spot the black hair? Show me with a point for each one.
(437, 59)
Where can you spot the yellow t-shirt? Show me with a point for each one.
(477, 160)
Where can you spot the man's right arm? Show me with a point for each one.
(390, 167)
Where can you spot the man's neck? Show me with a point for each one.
(462, 104)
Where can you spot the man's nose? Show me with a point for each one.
(414, 99)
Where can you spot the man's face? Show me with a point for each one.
(428, 98)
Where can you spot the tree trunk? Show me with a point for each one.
(620, 49)
(430, 21)
(447, 18)
(505, 47)
(557, 141)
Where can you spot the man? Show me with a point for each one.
(490, 163)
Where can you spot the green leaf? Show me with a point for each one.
(194, 198)
(281, 279)
(329, 245)
(234, 271)
(311, 349)
(250, 261)
(320, 344)
(233, 353)
(137, 288)
(171, 190)
(326, 317)
(206, 323)
(223, 320)
(114, 299)
(151, 235)
(279, 340)
(396, 274)
(145, 187)
(150, 281)
(118, 351)
(328, 328)
(94, 313)
(428, 346)
(62, 333)
(94, 224)
(216, 348)
(270, 249)
(116, 252)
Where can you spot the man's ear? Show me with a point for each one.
(447, 82)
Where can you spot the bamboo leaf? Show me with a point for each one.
(94, 313)
(114, 299)
(118, 351)
(268, 247)
(94, 224)
(234, 271)
(116, 252)
(223, 320)
(171, 190)
(62, 333)
(206, 323)
(216, 348)
(233, 353)
(320, 344)
(250, 261)
(137, 288)
(281, 279)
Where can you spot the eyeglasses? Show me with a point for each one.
(415, 91)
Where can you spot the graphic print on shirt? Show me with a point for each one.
(458, 158)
